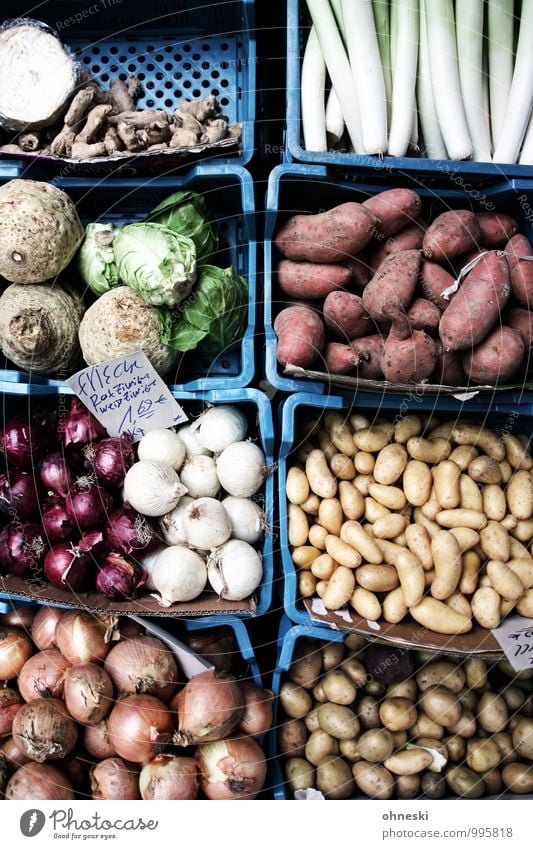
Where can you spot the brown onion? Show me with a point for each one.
(169, 777)
(82, 637)
(142, 665)
(113, 778)
(88, 692)
(257, 716)
(15, 649)
(234, 768)
(39, 781)
(76, 767)
(21, 617)
(209, 708)
(10, 704)
(216, 645)
(97, 741)
(43, 676)
(43, 629)
(127, 628)
(138, 725)
(13, 754)
(44, 730)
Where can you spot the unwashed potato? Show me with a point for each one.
(338, 688)
(409, 762)
(334, 778)
(482, 755)
(373, 780)
(518, 777)
(493, 714)
(441, 705)
(292, 737)
(397, 714)
(338, 720)
(319, 745)
(408, 786)
(332, 655)
(523, 738)
(300, 774)
(464, 782)
(375, 745)
(307, 664)
(441, 673)
(295, 701)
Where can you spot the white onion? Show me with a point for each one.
(247, 520)
(234, 570)
(192, 446)
(148, 560)
(152, 488)
(199, 475)
(172, 524)
(179, 574)
(220, 427)
(162, 445)
(206, 523)
(241, 469)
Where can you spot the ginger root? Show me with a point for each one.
(95, 121)
(112, 141)
(214, 131)
(82, 150)
(29, 141)
(139, 120)
(62, 144)
(183, 138)
(128, 136)
(79, 107)
(200, 109)
(155, 133)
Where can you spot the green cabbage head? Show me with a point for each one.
(186, 213)
(96, 259)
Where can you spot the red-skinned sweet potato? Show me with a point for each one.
(449, 370)
(340, 359)
(301, 336)
(450, 234)
(477, 305)
(360, 270)
(407, 239)
(423, 315)
(520, 270)
(368, 351)
(435, 280)
(394, 209)
(394, 283)
(409, 356)
(521, 320)
(462, 260)
(346, 316)
(310, 280)
(497, 358)
(333, 236)
(496, 228)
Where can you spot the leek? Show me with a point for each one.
(526, 157)
(501, 60)
(403, 75)
(334, 119)
(469, 29)
(312, 94)
(431, 134)
(517, 115)
(382, 22)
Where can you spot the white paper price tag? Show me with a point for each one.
(515, 636)
(127, 395)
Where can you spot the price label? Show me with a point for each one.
(127, 395)
(515, 636)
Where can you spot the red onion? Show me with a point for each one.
(55, 473)
(21, 548)
(169, 777)
(66, 566)
(43, 676)
(113, 778)
(119, 577)
(242, 764)
(87, 504)
(15, 649)
(56, 524)
(44, 416)
(82, 637)
(97, 741)
(110, 459)
(79, 425)
(19, 495)
(88, 692)
(209, 708)
(39, 781)
(44, 730)
(257, 716)
(13, 754)
(21, 442)
(43, 628)
(142, 665)
(10, 704)
(128, 531)
(138, 725)
(21, 617)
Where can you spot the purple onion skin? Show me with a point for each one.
(118, 578)
(19, 495)
(65, 568)
(22, 546)
(56, 524)
(79, 425)
(88, 504)
(21, 442)
(55, 473)
(122, 534)
(110, 459)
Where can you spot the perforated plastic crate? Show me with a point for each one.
(228, 192)
(294, 189)
(178, 50)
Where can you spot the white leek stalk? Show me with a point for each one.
(334, 119)
(338, 67)
(445, 78)
(486, 93)
(469, 29)
(518, 111)
(365, 61)
(413, 141)
(526, 157)
(501, 60)
(404, 75)
(382, 22)
(312, 94)
(432, 137)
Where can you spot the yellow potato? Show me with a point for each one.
(292, 737)
(432, 507)
(403, 689)
(441, 673)
(338, 720)
(516, 454)
(486, 607)
(370, 439)
(355, 535)
(462, 518)
(482, 755)
(340, 588)
(304, 555)
(374, 510)
(439, 431)
(509, 522)
(417, 482)
(389, 526)
(469, 575)
(321, 588)
(485, 470)
(334, 778)
(373, 780)
(358, 421)
(409, 762)
(523, 737)
(342, 467)
(298, 529)
(504, 580)
(397, 714)
(437, 616)
(429, 577)
(446, 483)
(523, 531)
(326, 444)
(480, 437)
(295, 701)
(364, 463)
(376, 744)
(307, 665)
(406, 427)
(321, 481)
(518, 778)
(319, 746)
(471, 497)
(466, 538)
(431, 527)
(355, 670)
(523, 567)
(317, 537)
(303, 451)
(394, 607)
(507, 470)
(463, 456)
(493, 713)
(311, 505)
(390, 464)
(300, 774)
(391, 497)
(352, 502)
(342, 553)
(338, 688)
(323, 567)
(366, 604)
(332, 654)
(519, 551)
(377, 579)
(525, 605)
(340, 432)
(428, 450)
(495, 542)
(520, 495)
(457, 601)
(368, 712)
(418, 541)
(441, 705)
(297, 486)
(448, 565)
(306, 584)
(384, 425)
(389, 550)
(362, 483)
(494, 502)
(330, 515)
(411, 575)
(506, 607)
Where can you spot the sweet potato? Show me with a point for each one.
(477, 305)
(460, 261)
(332, 236)
(449, 369)
(423, 315)
(360, 270)
(301, 336)
(346, 316)
(520, 270)
(394, 209)
(407, 239)
(368, 351)
(310, 279)
(408, 355)
(521, 320)
(435, 280)
(450, 234)
(496, 228)
(394, 283)
(497, 358)
(340, 359)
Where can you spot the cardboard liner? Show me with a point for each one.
(207, 605)
(410, 634)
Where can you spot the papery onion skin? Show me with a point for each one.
(97, 742)
(76, 767)
(66, 567)
(43, 627)
(128, 531)
(21, 442)
(109, 459)
(15, 649)
(233, 768)
(20, 495)
(169, 777)
(88, 693)
(118, 577)
(142, 664)
(56, 524)
(10, 704)
(82, 637)
(55, 473)
(44, 730)
(22, 547)
(138, 726)
(35, 781)
(43, 676)
(21, 617)
(113, 778)
(87, 503)
(79, 425)
(210, 706)
(257, 716)
(13, 754)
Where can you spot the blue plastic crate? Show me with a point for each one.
(296, 189)
(440, 172)
(177, 49)
(256, 406)
(229, 195)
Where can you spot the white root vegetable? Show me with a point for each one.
(163, 445)
(381, 18)
(434, 146)
(199, 475)
(404, 76)
(520, 99)
(234, 570)
(247, 519)
(152, 488)
(207, 524)
(312, 95)
(190, 440)
(179, 574)
(469, 28)
(500, 32)
(334, 119)
(219, 427)
(241, 469)
(173, 524)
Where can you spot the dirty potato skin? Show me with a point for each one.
(394, 283)
(450, 234)
(497, 358)
(309, 280)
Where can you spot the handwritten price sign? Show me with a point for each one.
(515, 636)
(127, 395)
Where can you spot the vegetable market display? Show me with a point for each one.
(361, 719)
(377, 293)
(434, 78)
(92, 707)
